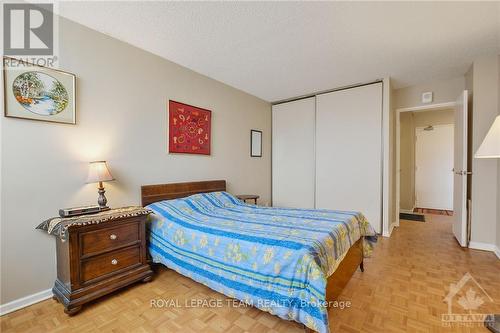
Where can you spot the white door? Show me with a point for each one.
(293, 154)
(460, 170)
(349, 151)
(433, 167)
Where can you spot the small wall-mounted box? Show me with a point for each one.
(427, 97)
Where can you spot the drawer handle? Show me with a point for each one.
(113, 236)
(114, 262)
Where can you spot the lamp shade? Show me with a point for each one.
(490, 148)
(98, 172)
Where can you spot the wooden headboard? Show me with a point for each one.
(154, 193)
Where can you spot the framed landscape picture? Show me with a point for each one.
(38, 93)
(189, 129)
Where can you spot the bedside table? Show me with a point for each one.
(246, 197)
(98, 254)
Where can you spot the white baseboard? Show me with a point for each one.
(497, 251)
(25, 301)
(391, 228)
(484, 247)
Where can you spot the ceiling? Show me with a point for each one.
(278, 50)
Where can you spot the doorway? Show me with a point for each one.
(460, 172)
(425, 158)
(406, 176)
(434, 165)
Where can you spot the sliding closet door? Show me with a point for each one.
(349, 151)
(293, 154)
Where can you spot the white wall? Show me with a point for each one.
(388, 180)
(122, 118)
(392, 156)
(484, 179)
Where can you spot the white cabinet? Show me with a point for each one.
(293, 154)
(349, 151)
(327, 152)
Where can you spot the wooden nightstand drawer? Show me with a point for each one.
(101, 253)
(108, 238)
(101, 265)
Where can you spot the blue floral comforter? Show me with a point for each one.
(275, 259)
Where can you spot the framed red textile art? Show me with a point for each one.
(188, 129)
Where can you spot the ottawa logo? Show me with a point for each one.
(467, 297)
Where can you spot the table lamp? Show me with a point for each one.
(490, 148)
(98, 173)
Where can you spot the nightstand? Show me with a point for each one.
(245, 197)
(98, 254)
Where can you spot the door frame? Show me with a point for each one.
(420, 108)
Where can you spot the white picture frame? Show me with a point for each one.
(255, 143)
(52, 99)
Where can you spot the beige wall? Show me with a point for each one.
(469, 86)
(407, 161)
(498, 173)
(439, 117)
(408, 122)
(444, 91)
(122, 118)
(484, 178)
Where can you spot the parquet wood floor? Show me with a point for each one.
(401, 290)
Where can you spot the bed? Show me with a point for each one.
(292, 263)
